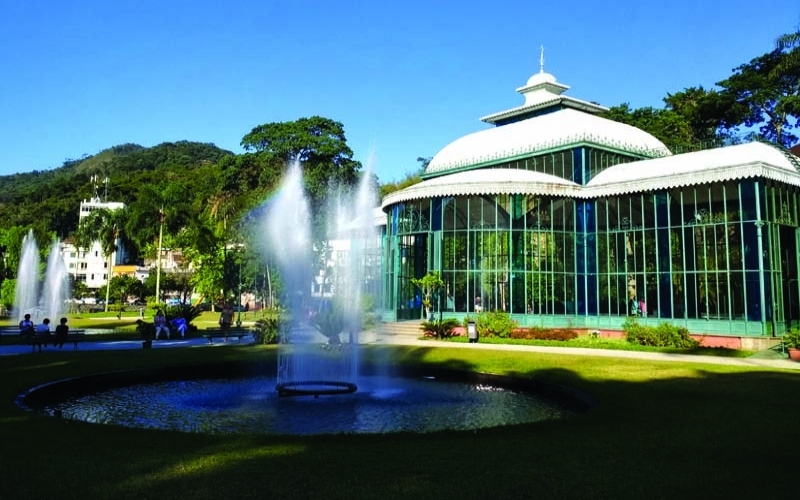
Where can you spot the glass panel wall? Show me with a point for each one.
(516, 254)
(561, 163)
(683, 253)
(695, 252)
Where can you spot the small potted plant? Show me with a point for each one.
(792, 342)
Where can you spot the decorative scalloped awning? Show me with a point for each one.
(752, 160)
(486, 181)
(742, 161)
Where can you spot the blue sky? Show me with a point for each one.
(404, 77)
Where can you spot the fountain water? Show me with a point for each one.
(304, 366)
(56, 284)
(26, 295)
(50, 304)
(318, 355)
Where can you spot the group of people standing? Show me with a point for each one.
(41, 332)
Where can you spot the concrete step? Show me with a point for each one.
(411, 328)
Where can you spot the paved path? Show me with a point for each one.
(91, 345)
(379, 338)
(756, 362)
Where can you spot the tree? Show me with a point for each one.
(666, 125)
(429, 285)
(705, 111)
(319, 144)
(107, 227)
(169, 204)
(790, 44)
(410, 179)
(11, 242)
(124, 286)
(8, 293)
(79, 289)
(766, 93)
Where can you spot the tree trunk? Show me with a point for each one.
(108, 284)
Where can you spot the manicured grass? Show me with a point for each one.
(661, 430)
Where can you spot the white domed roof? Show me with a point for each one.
(553, 130)
(540, 78)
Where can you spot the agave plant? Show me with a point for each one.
(330, 324)
(185, 311)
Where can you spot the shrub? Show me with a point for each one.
(663, 335)
(792, 339)
(369, 315)
(146, 330)
(440, 329)
(267, 330)
(330, 324)
(539, 333)
(185, 311)
(495, 324)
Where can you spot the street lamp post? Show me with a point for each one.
(239, 306)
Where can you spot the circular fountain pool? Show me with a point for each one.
(251, 405)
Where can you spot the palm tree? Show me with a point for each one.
(106, 227)
(166, 203)
(789, 44)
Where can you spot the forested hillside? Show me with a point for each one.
(197, 193)
(48, 201)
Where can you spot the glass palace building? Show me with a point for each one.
(563, 218)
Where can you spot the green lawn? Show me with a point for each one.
(661, 430)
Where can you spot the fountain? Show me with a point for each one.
(303, 367)
(50, 304)
(318, 355)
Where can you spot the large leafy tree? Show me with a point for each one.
(319, 144)
(670, 127)
(107, 227)
(705, 111)
(124, 287)
(766, 94)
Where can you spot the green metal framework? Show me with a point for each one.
(719, 258)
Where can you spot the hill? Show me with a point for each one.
(49, 200)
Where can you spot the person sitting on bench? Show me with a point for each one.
(61, 333)
(43, 333)
(160, 322)
(26, 326)
(179, 324)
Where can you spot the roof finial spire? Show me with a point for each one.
(541, 60)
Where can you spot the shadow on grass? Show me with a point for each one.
(661, 430)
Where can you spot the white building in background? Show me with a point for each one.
(90, 266)
(338, 260)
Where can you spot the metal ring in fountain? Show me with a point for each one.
(315, 388)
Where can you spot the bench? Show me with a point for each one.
(238, 332)
(10, 332)
(73, 337)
